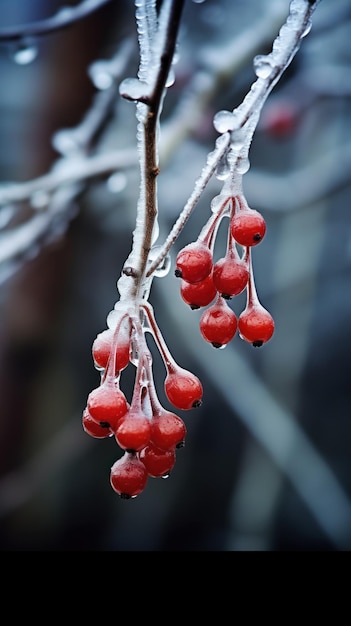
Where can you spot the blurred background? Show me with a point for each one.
(266, 466)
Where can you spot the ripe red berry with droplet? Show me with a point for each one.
(248, 226)
(107, 404)
(128, 476)
(158, 463)
(94, 429)
(133, 431)
(218, 324)
(167, 430)
(194, 262)
(230, 274)
(198, 294)
(102, 347)
(183, 389)
(256, 325)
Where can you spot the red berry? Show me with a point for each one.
(107, 404)
(158, 463)
(194, 262)
(280, 119)
(183, 389)
(102, 347)
(133, 431)
(94, 429)
(256, 325)
(230, 275)
(128, 476)
(198, 294)
(218, 324)
(248, 227)
(167, 430)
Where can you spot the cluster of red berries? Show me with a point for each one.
(147, 433)
(208, 283)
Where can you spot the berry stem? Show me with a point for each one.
(252, 297)
(209, 230)
(158, 337)
(109, 372)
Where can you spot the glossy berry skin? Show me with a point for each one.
(128, 476)
(167, 430)
(230, 275)
(183, 389)
(256, 325)
(158, 463)
(218, 324)
(107, 404)
(102, 346)
(94, 429)
(194, 262)
(133, 431)
(248, 227)
(198, 294)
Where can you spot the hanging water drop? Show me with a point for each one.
(116, 182)
(25, 52)
(113, 318)
(170, 78)
(223, 169)
(65, 141)
(224, 121)
(243, 165)
(307, 29)
(40, 199)
(262, 66)
(64, 13)
(134, 89)
(218, 201)
(155, 232)
(164, 266)
(100, 75)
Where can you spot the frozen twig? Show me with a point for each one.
(237, 128)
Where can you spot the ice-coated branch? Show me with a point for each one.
(64, 17)
(148, 112)
(237, 127)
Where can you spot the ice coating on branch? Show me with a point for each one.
(134, 89)
(152, 33)
(242, 121)
(146, 19)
